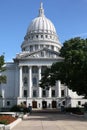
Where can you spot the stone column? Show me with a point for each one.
(2, 104)
(16, 92)
(30, 82)
(59, 89)
(50, 95)
(20, 82)
(66, 91)
(39, 77)
(38, 46)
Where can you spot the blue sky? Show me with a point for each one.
(68, 16)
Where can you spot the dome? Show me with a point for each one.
(40, 33)
(41, 24)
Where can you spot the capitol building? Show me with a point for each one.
(39, 50)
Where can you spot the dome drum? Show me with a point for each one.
(35, 46)
(41, 36)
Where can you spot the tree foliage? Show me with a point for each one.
(72, 71)
(2, 77)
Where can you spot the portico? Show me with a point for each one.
(29, 81)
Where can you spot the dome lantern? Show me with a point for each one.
(41, 10)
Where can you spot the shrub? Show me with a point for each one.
(15, 108)
(19, 108)
(75, 110)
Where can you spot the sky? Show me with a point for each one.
(68, 16)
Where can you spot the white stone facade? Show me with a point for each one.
(40, 49)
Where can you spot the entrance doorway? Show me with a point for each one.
(53, 104)
(44, 104)
(34, 104)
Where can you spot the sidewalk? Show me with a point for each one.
(52, 121)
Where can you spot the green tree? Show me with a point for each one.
(2, 77)
(72, 71)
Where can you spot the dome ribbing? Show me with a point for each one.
(41, 23)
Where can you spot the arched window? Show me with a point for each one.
(36, 36)
(25, 81)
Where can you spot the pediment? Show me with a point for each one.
(45, 52)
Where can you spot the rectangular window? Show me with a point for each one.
(34, 81)
(31, 48)
(42, 53)
(43, 93)
(53, 93)
(25, 69)
(52, 47)
(25, 81)
(62, 93)
(8, 103)
(79, 102)
(41, 46)
(25, 93)
(35, 69)
(46, 36)
(41, 36)
(47, 46)
(34, 93)
(63, 103)
(43, 68)
(36, 47)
